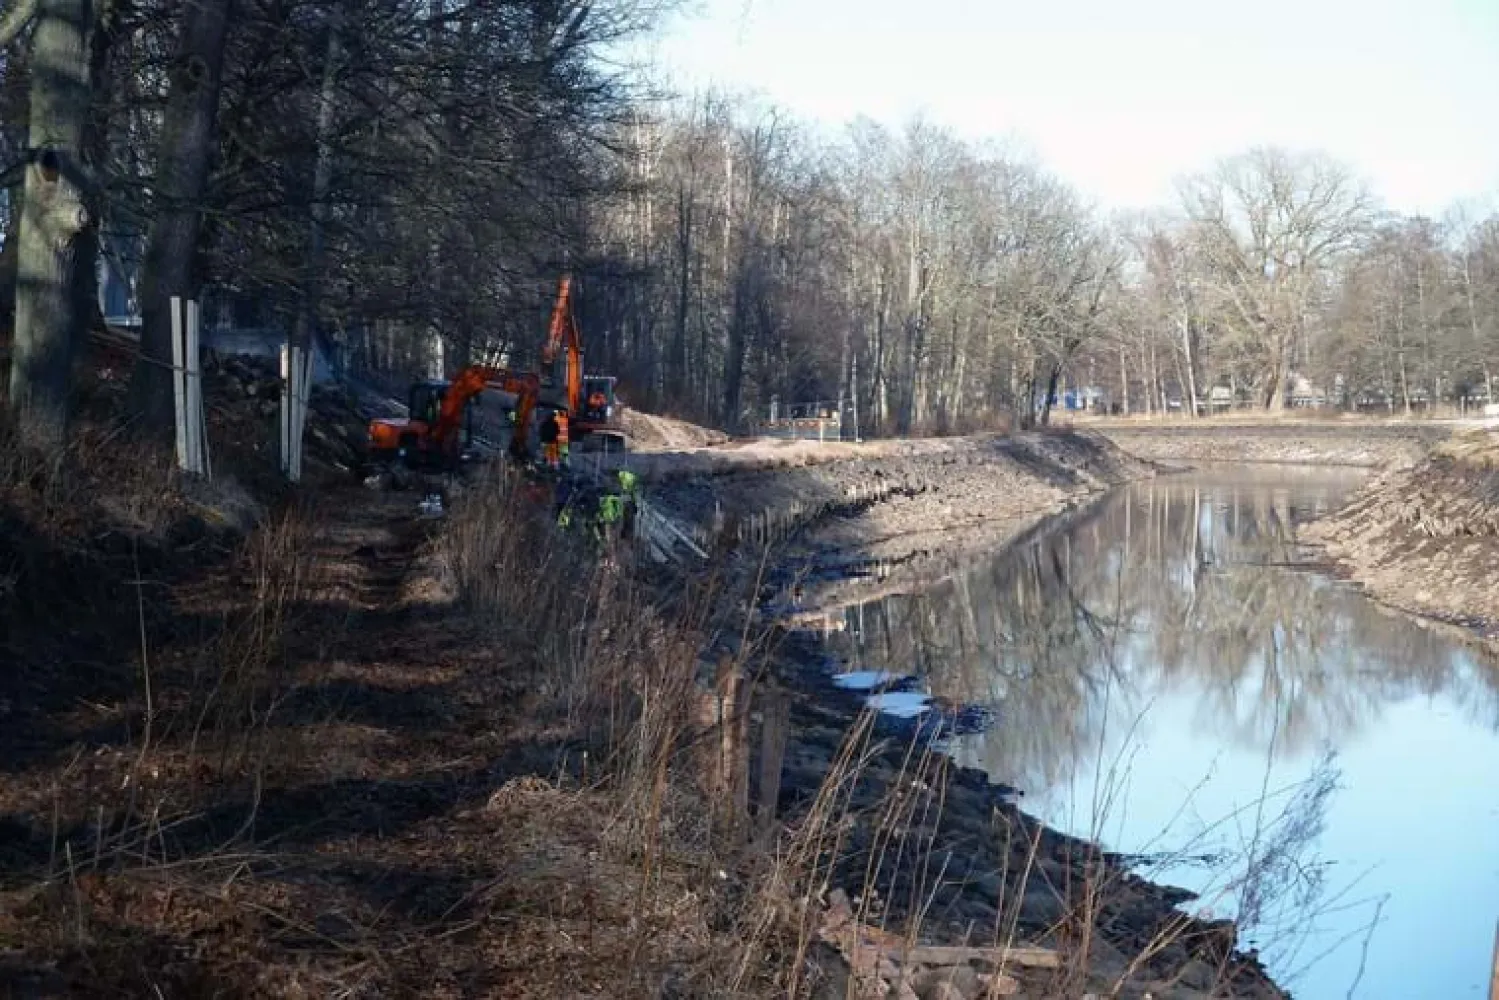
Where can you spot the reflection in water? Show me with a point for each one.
(1165, 643)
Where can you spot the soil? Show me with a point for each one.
(400, 822)
(650, 432)
(932, 844)
(1363, 444)
(845, 518)
(1425, 539)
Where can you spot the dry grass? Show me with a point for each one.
(342, 777)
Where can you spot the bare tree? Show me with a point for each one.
(1268, 225)
(57, 236)
(188, 141)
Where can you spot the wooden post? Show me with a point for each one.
(732, 754)
(723, 755)
(775, 725)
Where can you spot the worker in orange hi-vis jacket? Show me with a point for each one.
(562, 438)
(548, 434)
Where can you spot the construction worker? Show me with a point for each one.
(611, 512)
(597, 404)
(562, 503)
(548, 435)
(629, 485)
(562, 437)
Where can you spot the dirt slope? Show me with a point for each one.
(1362, 444)
(1426, 539)
(650, 432)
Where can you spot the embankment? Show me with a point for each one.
(902, 508)
(1359, 444)
(1425, 538)
(923, 845)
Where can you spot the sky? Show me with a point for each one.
(1120, 97)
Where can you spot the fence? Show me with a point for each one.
(817, 420)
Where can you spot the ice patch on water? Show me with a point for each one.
(901, 704)
(865, 680)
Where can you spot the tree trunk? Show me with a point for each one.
(307, 314)
(1473, 328)
(1191, 386)
(733, 392)
(187, 146)
(8, 255)
(678, 361)
(58, 230)
(1275, 391)
(1052, 380)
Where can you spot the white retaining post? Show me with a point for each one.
(193, 383)
(296, 388)
(285, 442)
(179, 394)
(195, 360)
(187, 387)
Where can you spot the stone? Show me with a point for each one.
(840, 910)
(957, 983)
(1198, 975)
(1041, 907)
(998, 984)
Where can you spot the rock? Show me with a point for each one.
(1198, 975)
(998, 984)
(840, 910)
(829, 975)
(947, 991)
(957, 983)
(1041, 906)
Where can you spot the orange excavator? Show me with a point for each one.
(439, 422)
(588, 400)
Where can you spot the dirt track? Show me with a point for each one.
(318, 854)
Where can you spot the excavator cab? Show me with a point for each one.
(425, 401)
(598, 399)
(424, 404)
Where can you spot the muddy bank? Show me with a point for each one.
(1360, 445)
(925, 848)
(941, 855)
(842, 521)
(1425, 539)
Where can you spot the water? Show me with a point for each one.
(1169, 683)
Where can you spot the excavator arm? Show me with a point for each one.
(473, 380)
(526, 387)
(563, 335)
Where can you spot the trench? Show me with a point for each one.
(1171, 674)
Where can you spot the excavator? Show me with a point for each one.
(438, 427)
(588, 400)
